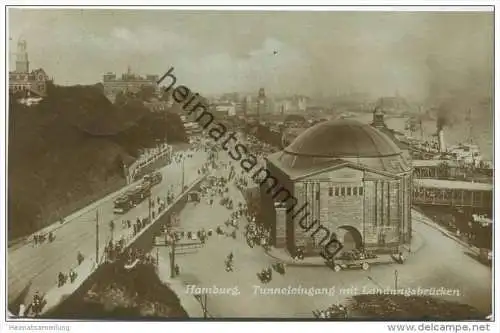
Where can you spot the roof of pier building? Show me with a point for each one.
(338, 143)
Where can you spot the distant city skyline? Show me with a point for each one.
(311, 53)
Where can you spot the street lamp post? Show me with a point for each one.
(409, 244)
(157, 258)
(150, 204)
(205, 312)
(97, 237)
(172, 258)
(396, 279)
(202, 298)
(182, 189)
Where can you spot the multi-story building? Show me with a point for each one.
(22, 80)
(254, 106)
(290, 105)
(128, 83)
(225, 109)
(247, 106)
(283, 106)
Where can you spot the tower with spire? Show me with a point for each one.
(25, 80)
(261, 102)
(22, 62)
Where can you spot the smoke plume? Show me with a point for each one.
(445, 116)
(460, 76)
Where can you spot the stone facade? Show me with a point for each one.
(362, 209)
(128, 83)
(281, 223)
(22, 80)
(34, 82)
(345, 179)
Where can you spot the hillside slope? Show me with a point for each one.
(118, 294)
(69, 150)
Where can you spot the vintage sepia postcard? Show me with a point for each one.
(250, 164)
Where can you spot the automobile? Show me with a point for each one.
(122, 204)
(337, 267)
(485, 256)
(139, 193)
(351, 259)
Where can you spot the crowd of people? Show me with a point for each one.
(63, 277)
(217, 188)
(39, 239)
(255, 232)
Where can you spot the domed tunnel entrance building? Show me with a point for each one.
(342, 179)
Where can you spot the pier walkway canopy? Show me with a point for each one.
(452, 193)
(435, 168)
(447, 169)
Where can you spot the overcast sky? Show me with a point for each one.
(316, 52)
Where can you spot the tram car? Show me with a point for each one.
(154, 178)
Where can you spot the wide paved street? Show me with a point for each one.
(40, 264)
(440, 262)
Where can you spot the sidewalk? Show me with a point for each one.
(13, 244)
(58, 294)
(447, 233)
(285, 257)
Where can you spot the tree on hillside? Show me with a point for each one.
(120, 98)
(14, 96)
(146, 93)
(165, 95)
(95, 134)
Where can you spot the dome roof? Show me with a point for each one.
(343, 138)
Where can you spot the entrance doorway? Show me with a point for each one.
(350, 237)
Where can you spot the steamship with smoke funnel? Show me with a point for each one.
(465, 153)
